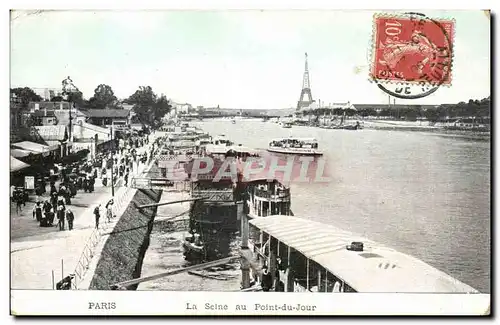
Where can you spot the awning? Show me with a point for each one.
(31, 146)
(53, 144)
(16, 164)
(19, 153)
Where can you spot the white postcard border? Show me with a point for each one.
(169, 303)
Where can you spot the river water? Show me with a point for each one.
(426, 194)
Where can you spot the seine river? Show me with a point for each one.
(423, 193)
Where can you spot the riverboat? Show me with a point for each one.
(267, 197)
(219, 143)
(238, 151)
(214, 216)
(356, 126)
(307, 256)
(296, 146)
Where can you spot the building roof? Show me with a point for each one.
(44, 113)
(81, 113)
(16, 164)
(31, 146)
(52, 132)
(375, 269)
(108, 113)
(82, 130)
(49, 105)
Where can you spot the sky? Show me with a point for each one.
(234, 59)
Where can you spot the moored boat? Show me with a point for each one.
(296, 146)
(307, 256)
(267, 197)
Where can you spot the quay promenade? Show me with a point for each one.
(37, 252)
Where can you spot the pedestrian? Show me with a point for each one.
(37, 211)
(126, 178)
(53, 200)
(44, 221)
(109, 209)
(61, 200)
(85, 184)
(267, 280)
(25, 196)
(70, 217)
(72, 189)
(97, 216)
(79, 183)
(60, 216)
(39, 190)
(67, 196)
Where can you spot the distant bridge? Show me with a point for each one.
(205, 116)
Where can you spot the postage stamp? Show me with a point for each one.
(413, 51)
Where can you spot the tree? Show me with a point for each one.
(72, 93)
(432, 114)
(104, 97)
(161, 107)
(76, 98)
(147, 106)
(25, 96)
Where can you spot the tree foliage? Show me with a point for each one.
(72, 93)
(473, 108)
(148, 107)
(104, 97)
(25, 96)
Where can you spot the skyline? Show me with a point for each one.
(240, 58)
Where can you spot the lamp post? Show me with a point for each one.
(112, 163)
(68, 88)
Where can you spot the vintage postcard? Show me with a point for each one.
(250, 162)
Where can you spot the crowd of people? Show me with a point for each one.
(119, 164)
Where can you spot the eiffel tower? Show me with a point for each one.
(306, 90)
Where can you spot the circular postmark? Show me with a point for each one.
(412, 54)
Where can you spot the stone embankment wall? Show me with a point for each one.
(123, 253)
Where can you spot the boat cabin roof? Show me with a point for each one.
(224, 149)
(375, 269)
(297, 139)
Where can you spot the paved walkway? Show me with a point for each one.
(36, 251)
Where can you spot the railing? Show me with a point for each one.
(181, 186)
(214, 195)
(282, 194)
(160, 184)
(94, 239)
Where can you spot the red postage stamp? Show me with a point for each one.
(412, 49)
